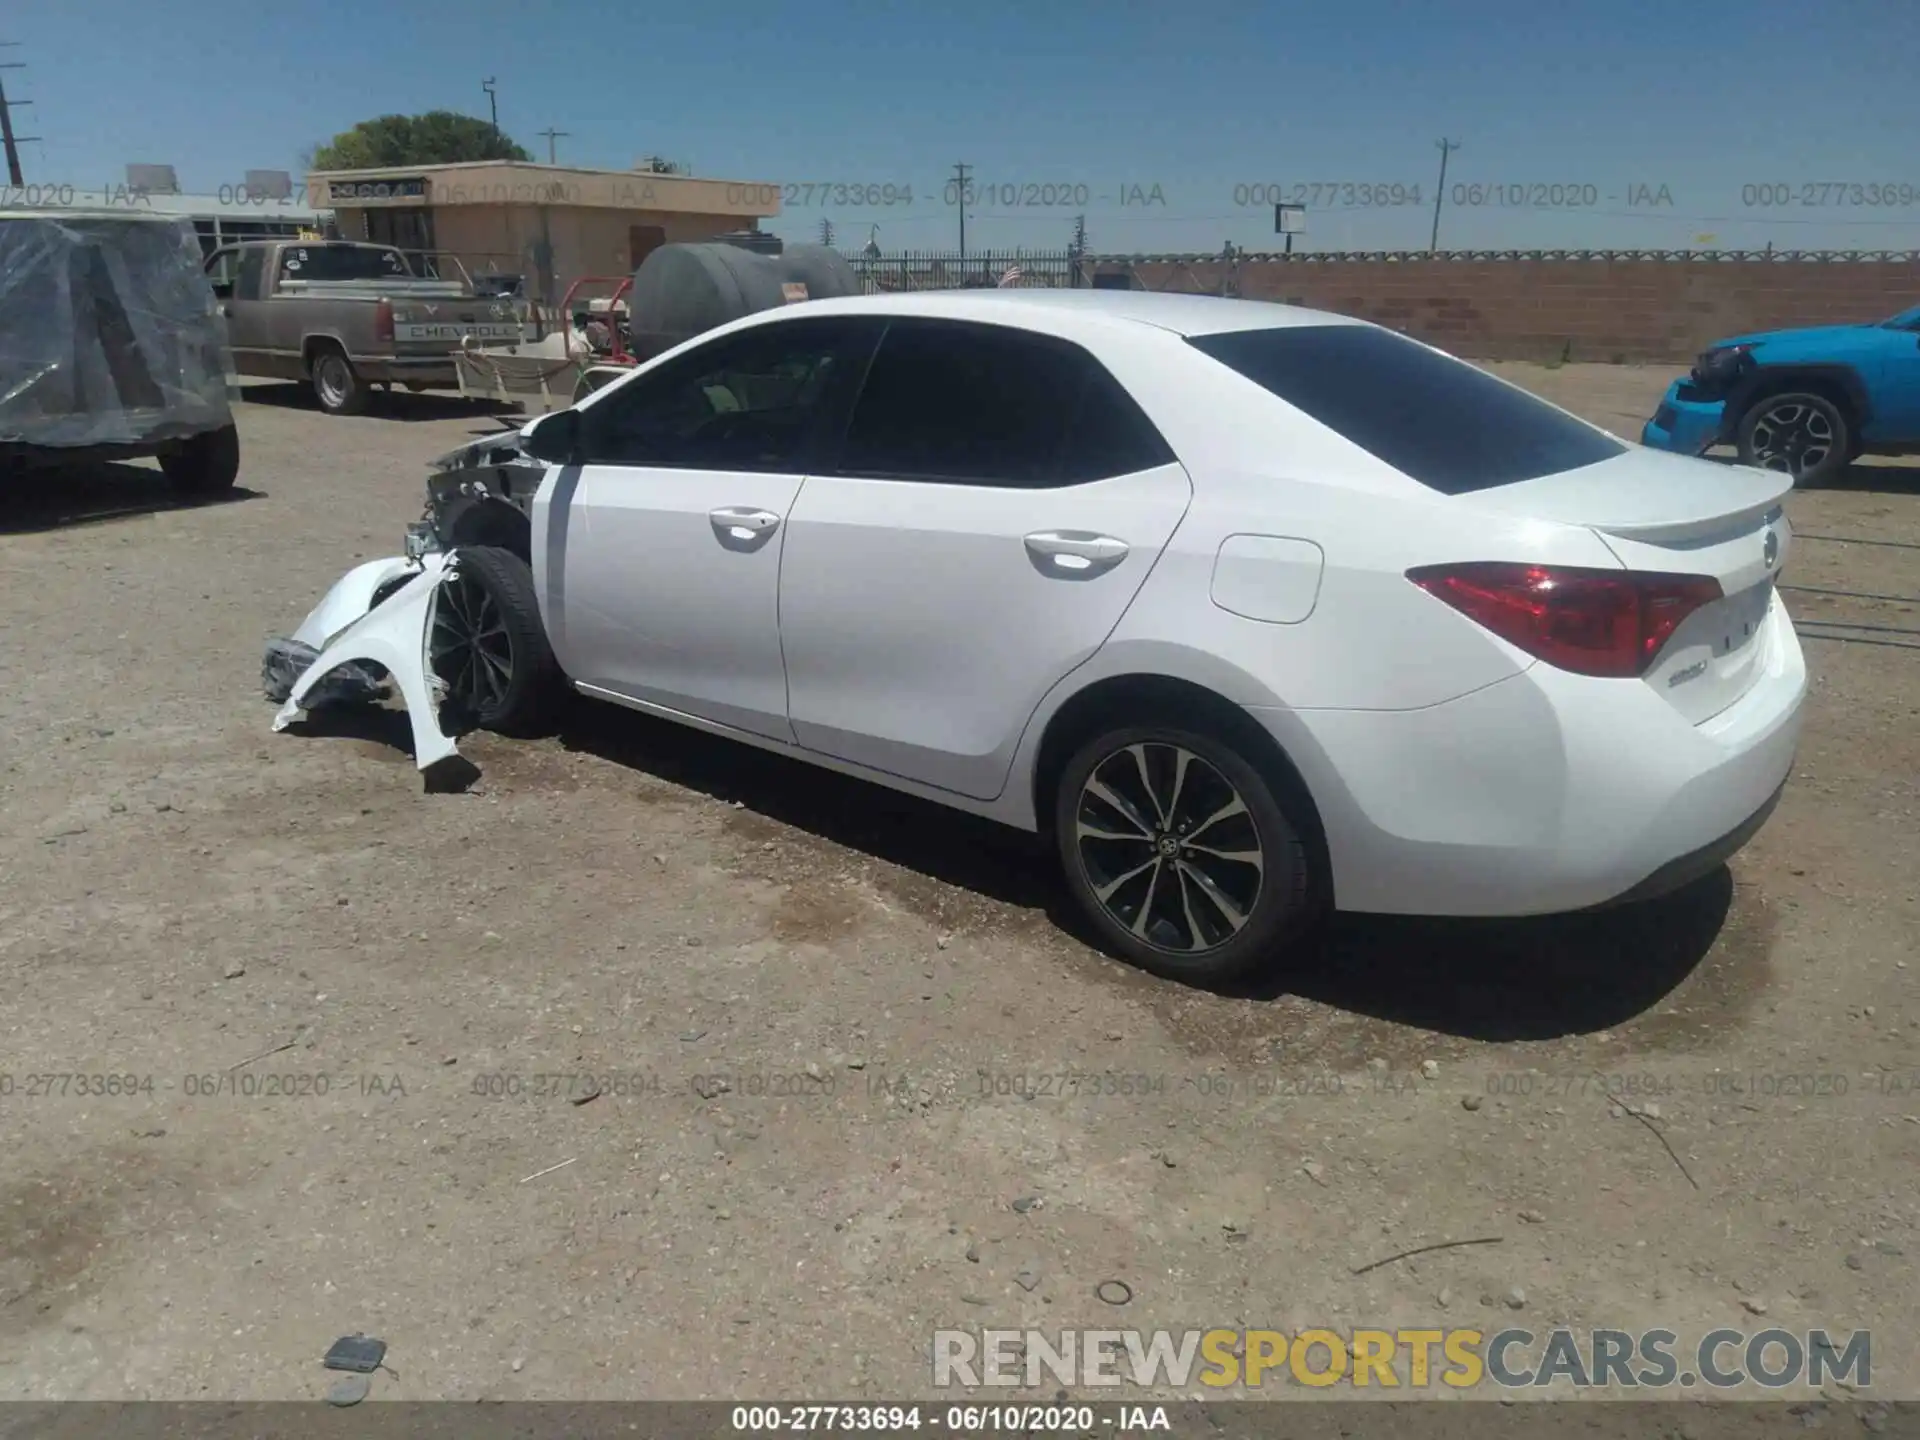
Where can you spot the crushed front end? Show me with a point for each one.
(1693, 415)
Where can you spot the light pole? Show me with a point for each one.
(493, 106)
(1447, 147)
(13, 141)
(960, 175)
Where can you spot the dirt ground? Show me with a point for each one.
(344, 1015)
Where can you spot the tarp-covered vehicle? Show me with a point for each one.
(111, 347)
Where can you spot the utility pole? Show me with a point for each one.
(1077, 259)
(493, 106)
(826, 233)
(7, 107)
(1447, 147)
(550, 135)
(960, 195)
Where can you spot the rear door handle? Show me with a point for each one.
(741, 527)
(1074, 554)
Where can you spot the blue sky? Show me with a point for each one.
(1643, 124)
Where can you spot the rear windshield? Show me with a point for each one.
(1452, 427)
(341, 262)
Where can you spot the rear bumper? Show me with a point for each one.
(1697, 864)
(1687, 427)
(1546, 792)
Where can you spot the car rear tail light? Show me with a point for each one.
(1610, 623)
(383, 321)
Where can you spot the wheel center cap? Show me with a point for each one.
(1169, 846)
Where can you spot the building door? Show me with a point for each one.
(407, 230)
(642, 241)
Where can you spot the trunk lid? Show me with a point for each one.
(1677, 515)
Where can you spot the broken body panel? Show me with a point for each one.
(349, 632)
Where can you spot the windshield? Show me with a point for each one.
(342, 262)
(1908, 319)
(1445, 423)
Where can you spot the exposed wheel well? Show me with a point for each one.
(1132, 699)
(314, 345)
(1827, 386)
(467, 522)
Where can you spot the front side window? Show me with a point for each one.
(1445, 423)
(751, 401)
(223, 267)
(253, 264)
(963, 403)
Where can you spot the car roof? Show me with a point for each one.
(1060, 309)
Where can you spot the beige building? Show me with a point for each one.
(551, 224)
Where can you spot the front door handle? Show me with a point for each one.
(741, 527)
(1074, 554)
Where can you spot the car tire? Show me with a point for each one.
(489, 648)
(208, 464)
(1805, 435)
(1189, 932)
(336, 384)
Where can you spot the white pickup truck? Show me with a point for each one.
(345, 317)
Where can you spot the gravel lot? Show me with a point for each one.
(789, 988)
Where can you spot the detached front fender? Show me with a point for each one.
(395, 637)
(350, 598)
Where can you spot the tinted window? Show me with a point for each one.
(747, 402)
(985, 404)
(1441, 421)
(1109, 434)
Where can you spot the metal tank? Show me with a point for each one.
(681, 291)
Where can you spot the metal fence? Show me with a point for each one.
(950, 270)
(1415, 257)
(1219, 272)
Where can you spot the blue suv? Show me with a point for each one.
(1807, 402)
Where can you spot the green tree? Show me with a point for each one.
(440, 137)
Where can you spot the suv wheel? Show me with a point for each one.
(1806, 436)
(208, 464)
(488, 647)
(1181, 854)
(340, 390)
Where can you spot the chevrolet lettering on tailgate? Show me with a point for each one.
(454, 331)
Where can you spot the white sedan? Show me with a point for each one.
(1254, 610)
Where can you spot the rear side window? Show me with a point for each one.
(964, 403)
(1452, 427)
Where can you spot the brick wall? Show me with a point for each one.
(1605, 310)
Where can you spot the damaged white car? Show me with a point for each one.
(1162, 577)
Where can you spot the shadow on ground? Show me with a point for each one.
(53, 498)
(1490, 980)
(1869, 475)
(400, 405)
(1485, 980)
